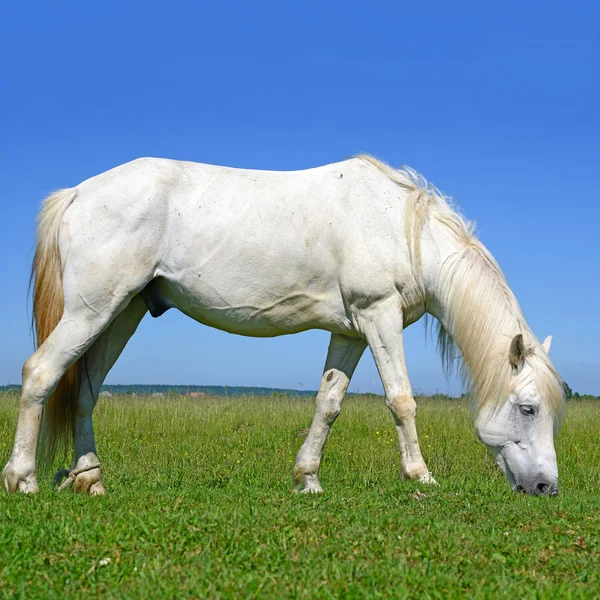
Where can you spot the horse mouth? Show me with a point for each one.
(545, 490)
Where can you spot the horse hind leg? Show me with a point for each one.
(76, 331)
(85, 475)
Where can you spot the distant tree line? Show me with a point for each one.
(571, 395)
(223, 390)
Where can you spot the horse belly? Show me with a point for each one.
(253, 312)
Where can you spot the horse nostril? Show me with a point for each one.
(542, 488)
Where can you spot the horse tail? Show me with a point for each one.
(58, 417)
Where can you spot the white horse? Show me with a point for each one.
(355, 248)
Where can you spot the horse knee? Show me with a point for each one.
(332, 412)
(331, 395)
(330, 407)
(403, 407)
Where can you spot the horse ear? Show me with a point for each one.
(547, 343)
(517, 352)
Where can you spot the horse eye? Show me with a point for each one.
(526, 409)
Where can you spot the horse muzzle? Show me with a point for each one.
(540, 486)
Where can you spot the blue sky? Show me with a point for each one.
(496, 103)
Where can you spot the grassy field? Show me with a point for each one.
(199, 505)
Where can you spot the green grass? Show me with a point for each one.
(199, 505)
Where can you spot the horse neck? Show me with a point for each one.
(468, 294)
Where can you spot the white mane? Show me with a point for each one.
(483, 315)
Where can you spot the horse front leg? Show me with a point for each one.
(382, 326)
(342, 357)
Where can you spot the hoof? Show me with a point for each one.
(85, 478)
(14, 481)
(417, 472)
(309, 484)
(428, 479)
(316, 489)
(89, 482)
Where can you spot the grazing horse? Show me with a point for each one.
(356, 248)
